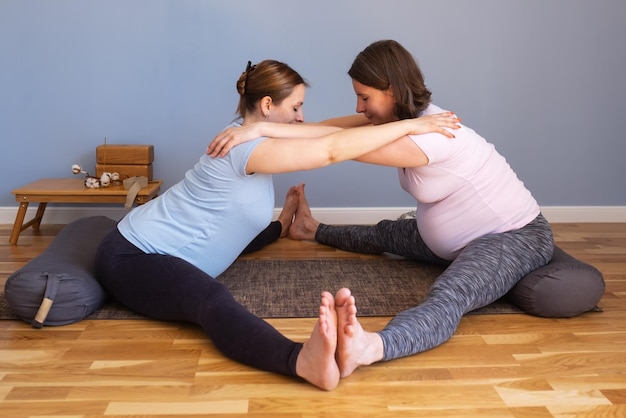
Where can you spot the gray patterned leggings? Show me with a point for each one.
(485, 270)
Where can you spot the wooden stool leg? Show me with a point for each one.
(39, 215)
(19, 221)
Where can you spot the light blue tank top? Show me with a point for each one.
(210, 216)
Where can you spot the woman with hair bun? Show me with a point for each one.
(165, 257)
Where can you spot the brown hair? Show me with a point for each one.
(385, 64)
(267, 78)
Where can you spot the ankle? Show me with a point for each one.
(375, 351)
(285, 224)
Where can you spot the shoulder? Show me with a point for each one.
(432, 109)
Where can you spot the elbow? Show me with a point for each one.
(334, 154)
(333, 159)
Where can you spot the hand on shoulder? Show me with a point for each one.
(436, 123)
(230, 137)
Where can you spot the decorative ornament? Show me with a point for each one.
(105, 180)
(91, 182)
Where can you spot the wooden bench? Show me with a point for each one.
(69, 190)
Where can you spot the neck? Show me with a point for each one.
(252, 118)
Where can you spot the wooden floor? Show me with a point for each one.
(495, 366)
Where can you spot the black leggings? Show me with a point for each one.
(265, 237)
(485, 270)
(169, 288)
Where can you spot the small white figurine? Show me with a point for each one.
(105, 179)
(92, 182)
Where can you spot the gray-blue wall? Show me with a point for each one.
(545, 81)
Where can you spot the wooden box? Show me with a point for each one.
(125, 170)
(124, 154)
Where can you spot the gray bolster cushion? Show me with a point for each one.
(58, 287)
(563, 288)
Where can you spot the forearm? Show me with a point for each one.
(301, 130)
(352, 143)
(350, 121)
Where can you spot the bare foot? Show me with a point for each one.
(304, 226)
(289, 209)
(316, 362)
(355, 346)
(303, 204)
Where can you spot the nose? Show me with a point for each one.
(360, 107)
(300, 116)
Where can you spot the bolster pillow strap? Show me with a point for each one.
(52, 288)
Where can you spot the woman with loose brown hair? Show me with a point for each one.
(386, 65)
(165, 257)
(473, 215)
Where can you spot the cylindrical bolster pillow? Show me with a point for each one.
(59, 287)
(563, 288)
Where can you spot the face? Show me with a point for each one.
(376, 105)
(290, 110)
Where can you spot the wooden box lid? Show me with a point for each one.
(124, 154)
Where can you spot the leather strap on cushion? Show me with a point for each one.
(52, 288)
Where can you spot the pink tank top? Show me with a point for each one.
(467, 190)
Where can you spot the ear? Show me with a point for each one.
(266, 105)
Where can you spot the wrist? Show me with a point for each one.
(261, 129)
(408, 126)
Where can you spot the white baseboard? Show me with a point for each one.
(564, 214)
(554, 214)
(335, 216)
